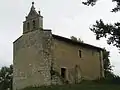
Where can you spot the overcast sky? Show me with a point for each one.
(64, 17)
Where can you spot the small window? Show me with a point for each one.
(28, 26)
(34, 24)
(80, 54)
(92, 53)
(63, 72)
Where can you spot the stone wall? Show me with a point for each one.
(66, 55)
(32, 59)
(37, 53)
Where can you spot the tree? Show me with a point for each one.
(107, 65)
(93, 2)
(109, 31)
(79, 40)
(110, 77)
(6, 77)
(75, 39)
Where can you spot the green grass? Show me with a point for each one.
(84, 86)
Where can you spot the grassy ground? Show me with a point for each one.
(87, 86)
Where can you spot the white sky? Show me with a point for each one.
(65, 17)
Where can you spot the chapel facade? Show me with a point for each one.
(42, 58)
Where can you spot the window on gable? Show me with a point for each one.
(80, 53)
(34, 24)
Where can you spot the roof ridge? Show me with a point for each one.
(72, 41)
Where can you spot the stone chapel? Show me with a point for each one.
(42, 58)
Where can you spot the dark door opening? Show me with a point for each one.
(63, 72)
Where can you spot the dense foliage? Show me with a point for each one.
(106, 61)
(93, 2)
(109, 31)
(6, 77)
(76, 39)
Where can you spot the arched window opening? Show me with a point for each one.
(28, 26)
(34, 24)
(80, 53)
